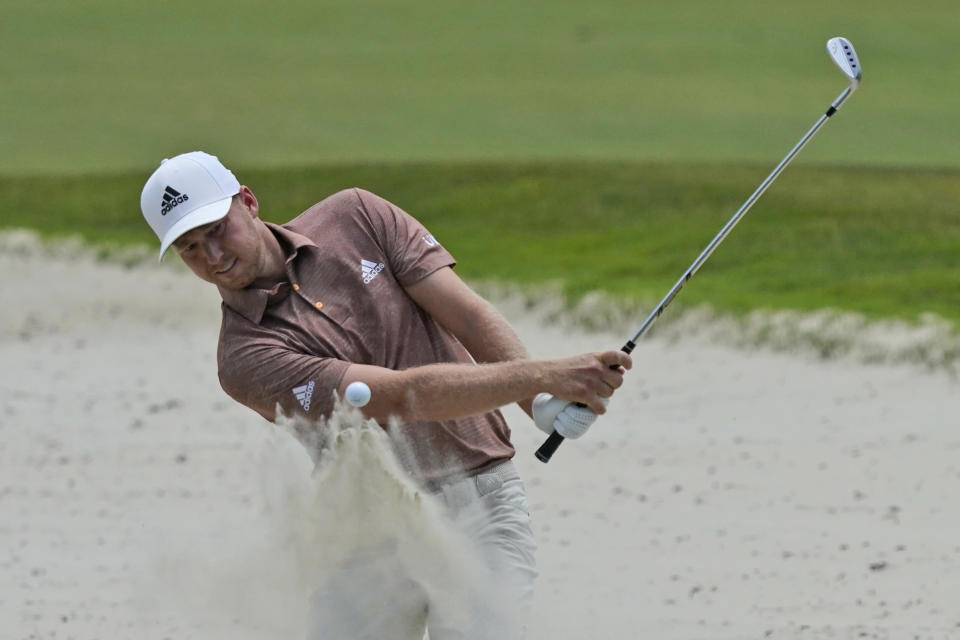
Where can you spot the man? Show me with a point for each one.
(355, 289)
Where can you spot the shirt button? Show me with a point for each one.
(296, 287)
(319, 305)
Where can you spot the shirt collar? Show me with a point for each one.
(251, 302)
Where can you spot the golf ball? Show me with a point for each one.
(357, 394)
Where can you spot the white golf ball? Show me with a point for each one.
(357, 394)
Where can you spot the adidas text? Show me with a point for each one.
(304, 394)
(171, 198)
(370, 270)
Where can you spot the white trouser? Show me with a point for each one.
(375, 595)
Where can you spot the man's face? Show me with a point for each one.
(230, 252)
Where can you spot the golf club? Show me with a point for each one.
(843, 54)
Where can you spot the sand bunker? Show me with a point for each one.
(728, 493)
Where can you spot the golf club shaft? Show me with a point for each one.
(720, 237)
(549, 447)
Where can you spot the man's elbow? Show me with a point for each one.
(397, 400)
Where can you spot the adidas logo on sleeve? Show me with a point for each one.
(369, 270)
(304, 394)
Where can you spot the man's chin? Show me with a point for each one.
(234, 279)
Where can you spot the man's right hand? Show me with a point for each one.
(579, 390)
(589, 379)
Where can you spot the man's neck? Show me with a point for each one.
(274, 267)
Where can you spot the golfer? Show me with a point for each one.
(355, 289)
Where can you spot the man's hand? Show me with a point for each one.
(580, 389)
(589, 379)
(569, 419)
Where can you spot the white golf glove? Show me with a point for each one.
(566, 418)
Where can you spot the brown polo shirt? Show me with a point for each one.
(349, 258)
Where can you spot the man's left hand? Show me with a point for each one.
(569, 419)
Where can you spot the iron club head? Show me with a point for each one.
(845, 57)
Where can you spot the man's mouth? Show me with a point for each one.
(227, 268)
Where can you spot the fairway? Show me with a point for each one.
(113, 86)
(882, 242)
(590, 147)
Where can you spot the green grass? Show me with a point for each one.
(115, 85)
(597, 144)
(882, 242)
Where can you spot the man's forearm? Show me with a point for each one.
(492, 339)
(445, 391)
(485, 333)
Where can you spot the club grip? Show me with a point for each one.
(547, 449)
(549, 446)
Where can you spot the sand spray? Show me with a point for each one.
(341, 531)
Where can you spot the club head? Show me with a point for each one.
(845, 57)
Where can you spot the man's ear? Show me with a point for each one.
(249, 201)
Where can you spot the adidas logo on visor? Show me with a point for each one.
(370, 270)
(171, 198)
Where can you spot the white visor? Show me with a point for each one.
(197, 218)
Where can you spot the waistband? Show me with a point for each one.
(485, 481)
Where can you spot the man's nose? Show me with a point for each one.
(212, 248)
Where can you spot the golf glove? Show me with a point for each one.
(569, 419)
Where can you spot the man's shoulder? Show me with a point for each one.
(343, 202)
(239, 334)
(335, 209)
(234, 328)
(241, 349)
